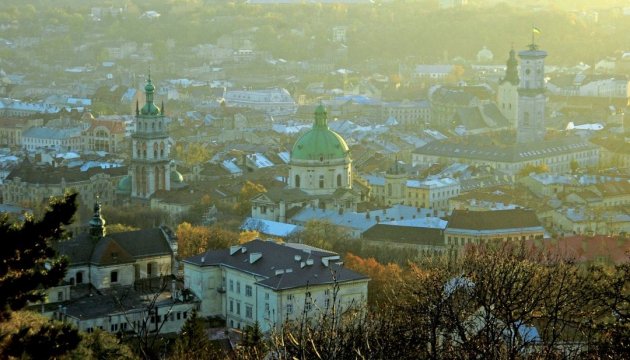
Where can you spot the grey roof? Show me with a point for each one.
(277, 264)
(51, 133)
(116, 248)
(510, 153)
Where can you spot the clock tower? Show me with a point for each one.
(531, 96)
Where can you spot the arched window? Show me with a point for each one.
(338, 180)
(321, 181)
(297, 181)
(144, 150)
(155, 150)
(162, 149)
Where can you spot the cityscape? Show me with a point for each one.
(320, 179)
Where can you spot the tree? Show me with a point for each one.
(253, 343)
(193, 240)
(384, 279)
(29, 264)
(530, 168)
(192, 342)
(248, 191)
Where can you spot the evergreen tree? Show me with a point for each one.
(192, 342)
(28, 265)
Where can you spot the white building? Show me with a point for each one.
(271, 283)
(273, 102)
(68, 139)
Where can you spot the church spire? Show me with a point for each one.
(149, 107)
(97, 223)
(511, 72)
(321, 118)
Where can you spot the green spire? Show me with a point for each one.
(321, 118)
(511, 72)
(149, 108)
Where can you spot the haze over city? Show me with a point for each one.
(304, 179)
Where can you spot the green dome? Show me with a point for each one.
(150, 109)
(124, 185)
(320, 143)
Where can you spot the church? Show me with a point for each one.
(522, 100)
(320, 175)
(150, 169)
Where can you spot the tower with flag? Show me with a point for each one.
(531, 93)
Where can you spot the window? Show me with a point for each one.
(238, 308)
(266, 296)
(231, 285)
(290, 297)
(338, 180)
(238, 287)
(248, 290)
(231, 306)
(321, 181)
(79, 277)
(113, 276)
(308, 306)
(297, 181)
(60, 296)
(289, 308)
(185, 314)
(249, 313)
(266, 308)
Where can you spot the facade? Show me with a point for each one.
(320, 160)
(104, 135)
(557, 154)
(507, 93)
(396, 188)
(273, 102)
(480, 227)
(60, 139)
(31, 184)
(17, 108)
(409, 114)
(271, 283)
(150, 168)
(11, 129)
(531, 96)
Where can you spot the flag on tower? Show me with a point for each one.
(536, 30)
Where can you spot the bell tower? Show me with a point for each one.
(150, 153)
(507, 93)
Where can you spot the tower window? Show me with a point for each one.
(338, 180)
(321, 181)
(297, 181)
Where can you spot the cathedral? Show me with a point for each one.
(320, 160)
(320, 175)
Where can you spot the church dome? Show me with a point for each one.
(320, 143)
(124, 185)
